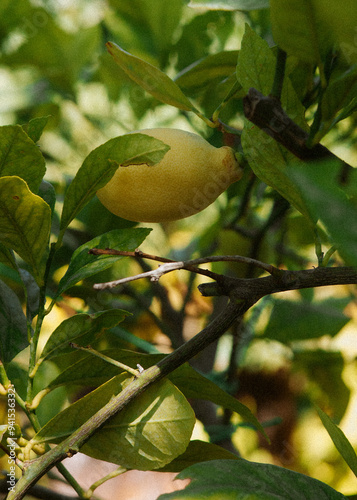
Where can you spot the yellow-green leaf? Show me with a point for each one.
(25, 222)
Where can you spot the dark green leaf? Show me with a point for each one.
(34, 127)
(340, 441)
(13, 325)
(266, 157)
(196, 452)
(81, 328)
(152, 79)
(291, 321)
(7, 257)
(20, 156)
(32, 292)
(230, 4)
(299, 30)
(83, 264)
(324, 370)
(48, 194)
(147, 434)
(240, 480)
(318, 185)
(100, 165)
(201, 73)
(25, 222)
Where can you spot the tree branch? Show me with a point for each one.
(268, 114)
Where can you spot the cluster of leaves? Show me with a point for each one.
(43, 221)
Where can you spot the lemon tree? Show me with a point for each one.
(178, 244)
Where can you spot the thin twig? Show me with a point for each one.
(171, 265)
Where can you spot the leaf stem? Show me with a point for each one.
(102, 356)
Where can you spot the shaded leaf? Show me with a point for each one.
(291, 321)
(196, 452)
(318, 183)
(324, 370)
(25, 222)
(147, 434)
(20, 156)
(13, 325)
(201, 73)
(299, 30)
(83, 264)
(269, 162)
(229, 4)
(268, 159)
(34, 127)
(240, 480)
(100, 165)
(340, 441)
(82, 328)
(152, 79)
(32, 292)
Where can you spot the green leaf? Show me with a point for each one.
(201, 73)
(25, 222)
(57, 54)
(34, 127)
(340, 441)
(82, 328)
(147, 434)
(266, 157)
(242, 480)
(13, 325)
(340, 93)
(324, 370)
(230, 4)
(303, 320)
(318, 183)
(152, 79)
(83, 264)
(7, 257)
(196, 452)
(20, 156)
(269, 162)
(94, 371)
(100, 165)
(256, 68)
(299, 30)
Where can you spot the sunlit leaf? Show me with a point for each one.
(82, 328)
(152, 79)
(240, 480)
(25, 221)
(83, 264)
(340, 441)
(13, 325)
(20, 156)
(100, 165)
(95, 371)
(147, 434)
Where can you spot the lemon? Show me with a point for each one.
(191, 175)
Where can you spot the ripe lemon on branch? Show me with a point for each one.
(191, 175)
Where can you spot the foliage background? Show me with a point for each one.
(53, 63)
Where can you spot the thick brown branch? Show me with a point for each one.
(267, 113)
(254, 289)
